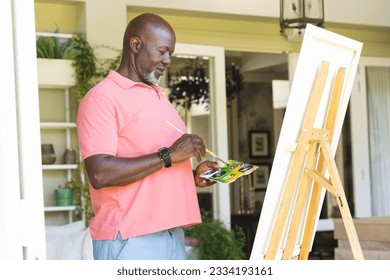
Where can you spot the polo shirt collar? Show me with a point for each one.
(126, 83)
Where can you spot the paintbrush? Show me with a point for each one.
(207, 150)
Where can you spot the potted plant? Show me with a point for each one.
(216, 242)
(52, 54)
(189, 89)
(63, 196)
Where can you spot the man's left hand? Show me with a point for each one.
(201, 168)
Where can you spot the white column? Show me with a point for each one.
(21, 191)
(221, 192)
(10, 245)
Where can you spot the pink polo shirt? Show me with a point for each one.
(123, 118)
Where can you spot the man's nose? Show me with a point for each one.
(167, 59)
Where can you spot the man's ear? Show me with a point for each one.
(135, 44)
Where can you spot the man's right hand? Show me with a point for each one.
(187, 146)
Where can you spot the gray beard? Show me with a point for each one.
(151, 78)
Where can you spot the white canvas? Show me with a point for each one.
(318, 45)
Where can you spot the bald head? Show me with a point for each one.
(148, 44)
(142, 25)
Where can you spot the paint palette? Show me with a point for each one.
(229, 172)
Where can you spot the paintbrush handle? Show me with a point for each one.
(207, 150)
(217, 157)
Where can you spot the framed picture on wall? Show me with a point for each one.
(259, 143)
(260, 177)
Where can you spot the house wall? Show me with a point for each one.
(256, 34)
(363, 12)
(235, 27)
(52, 16)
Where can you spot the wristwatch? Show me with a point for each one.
(165, 154)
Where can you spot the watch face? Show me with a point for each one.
(164, 152)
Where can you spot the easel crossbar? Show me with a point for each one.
(317, 176)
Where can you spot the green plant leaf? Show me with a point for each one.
(216, 241)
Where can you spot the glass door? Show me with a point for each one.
(370, 137)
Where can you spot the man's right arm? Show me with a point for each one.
(107, 170)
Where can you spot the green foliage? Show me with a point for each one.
(81, 197)
(51, 47)
(217, 242)
(89, 70)
(84, 63)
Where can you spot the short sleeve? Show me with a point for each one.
(97, 126)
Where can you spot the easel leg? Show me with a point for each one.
(310, 223)
(342, 202)
(301, 202)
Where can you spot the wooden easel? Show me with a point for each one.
(311, 160)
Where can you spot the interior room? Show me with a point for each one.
(243, 65)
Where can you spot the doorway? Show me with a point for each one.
(368, 189)
(251, 111)
(212, 126)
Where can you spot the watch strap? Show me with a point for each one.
(165, 155)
